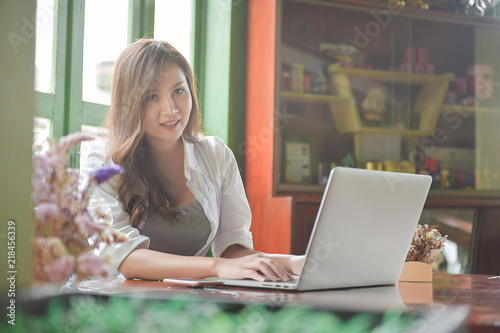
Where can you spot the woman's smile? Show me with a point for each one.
(171, 124)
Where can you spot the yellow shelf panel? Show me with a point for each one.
(313, 98)
(393, 131)
(390, 76)
(302, 188)
(477, 109)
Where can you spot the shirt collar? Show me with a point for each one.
(191, 160)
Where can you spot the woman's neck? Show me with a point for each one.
(162, 150)
(170, 164)
(169, 159)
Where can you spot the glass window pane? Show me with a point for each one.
(105, 36)
(100, 134)
(173, 23)
(44, 46)
(41, 132)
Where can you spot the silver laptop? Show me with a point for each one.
(362, 231)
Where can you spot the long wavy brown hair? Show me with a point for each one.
(141, 189)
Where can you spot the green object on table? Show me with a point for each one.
(189, 313)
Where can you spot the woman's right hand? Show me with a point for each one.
(254, 266)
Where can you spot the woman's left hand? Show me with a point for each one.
(291, 263)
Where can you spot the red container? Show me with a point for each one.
(422, 55)
(460, 86)
(307, 82)
(285, 81)
(410, 55)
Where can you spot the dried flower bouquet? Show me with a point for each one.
(65, 232)
(426, 244)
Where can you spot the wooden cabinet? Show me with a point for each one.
(394, 97)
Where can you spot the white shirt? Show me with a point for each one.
(214, 179)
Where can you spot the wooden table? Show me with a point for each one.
(472, 299)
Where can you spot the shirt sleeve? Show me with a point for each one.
(107, 196)
(235, 214)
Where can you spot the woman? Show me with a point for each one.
(181, 193)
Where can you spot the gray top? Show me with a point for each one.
(184, 237)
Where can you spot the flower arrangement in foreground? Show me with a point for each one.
(426, 244)
(65, 232)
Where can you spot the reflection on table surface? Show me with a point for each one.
(479, 294)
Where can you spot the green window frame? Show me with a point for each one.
(65, 107)
(219, 28)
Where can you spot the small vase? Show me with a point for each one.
(416, 271)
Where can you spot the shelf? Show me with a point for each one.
(474, 198)
(428, 103)
(342, 105)
(393, 131)
(411, 12)
(313, 98)
(466, 194)
(476, 109)
(390, 76)
(301, 188)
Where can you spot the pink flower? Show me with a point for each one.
(41, 170)
(73, 139)
(62, 214)
(101, 213)
(87, 225)
(61, 268)
(41, 189)
(46, 211)
(93, 265)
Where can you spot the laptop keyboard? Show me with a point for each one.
(282, 282)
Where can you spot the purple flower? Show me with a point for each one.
(87, 225)
(105, 173)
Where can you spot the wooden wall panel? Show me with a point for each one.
(272, 216)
